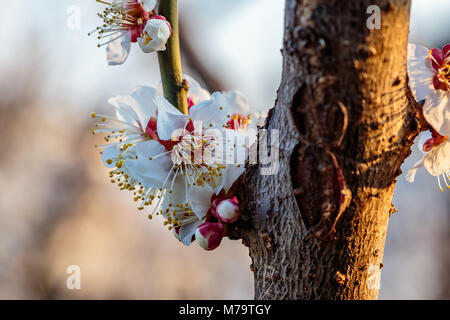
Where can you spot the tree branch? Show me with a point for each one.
(175, 87)
(346, 123)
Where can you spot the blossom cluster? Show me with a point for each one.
(181, 166)
(429, 80)
(130, 21)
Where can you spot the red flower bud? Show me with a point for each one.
(209, 235)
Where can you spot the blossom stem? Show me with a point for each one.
(175, 88)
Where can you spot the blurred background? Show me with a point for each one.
(57, 207)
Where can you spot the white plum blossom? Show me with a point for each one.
(174, 162)
(202, 150)
(124, 22)
(436, 158)
(134, 119)
(155, 35)
(429, 80)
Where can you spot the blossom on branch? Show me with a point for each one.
(436, 158)
(128, 21)
(175, 163)
(155, 35)
(429, 80)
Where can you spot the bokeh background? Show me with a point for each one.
(57, 207)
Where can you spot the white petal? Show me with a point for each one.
(437, 161)
(179, 194)
(200, 199)
(148, 5)
(251, 136)
(236, 147)
(124, 111)
(110, 153)
(411, 174)
(158, 33)
(117, 51)
(170, 118)
(229, 177)
(420, 75)
(237, 103)
(196, 92)
(258, 119)
(143, 103)
(436, 111)
(151, 173)
(213, 112)
(187, 231)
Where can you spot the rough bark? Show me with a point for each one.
(346, 123)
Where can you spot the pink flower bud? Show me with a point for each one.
(428, 145)
(228, 211)
(209, 235)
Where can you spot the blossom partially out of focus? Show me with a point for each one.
(429, 80)
(436, 158)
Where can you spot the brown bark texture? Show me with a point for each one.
(316, 229)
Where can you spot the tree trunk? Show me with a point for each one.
(346, 122)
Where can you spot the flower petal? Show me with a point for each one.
(229, 177)
(151, 173)
(437, 161)
(117, 51)
(108, 154)
(213, 112)
(177, 196)
(155, 35)
(148, 5)
(170, 118)
(237, 102)
(436, 111)
(124, 111)
(411, 174)
(420, 75)
(143, 103)
(200, 199)
(196, 92)
(187, 231)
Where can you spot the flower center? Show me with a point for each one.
(238, 122)
(444, 75)
(199, 156)
(120, 17)
(439, 61)
(151, 129)
(435, 140)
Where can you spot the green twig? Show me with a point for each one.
(175, 88)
